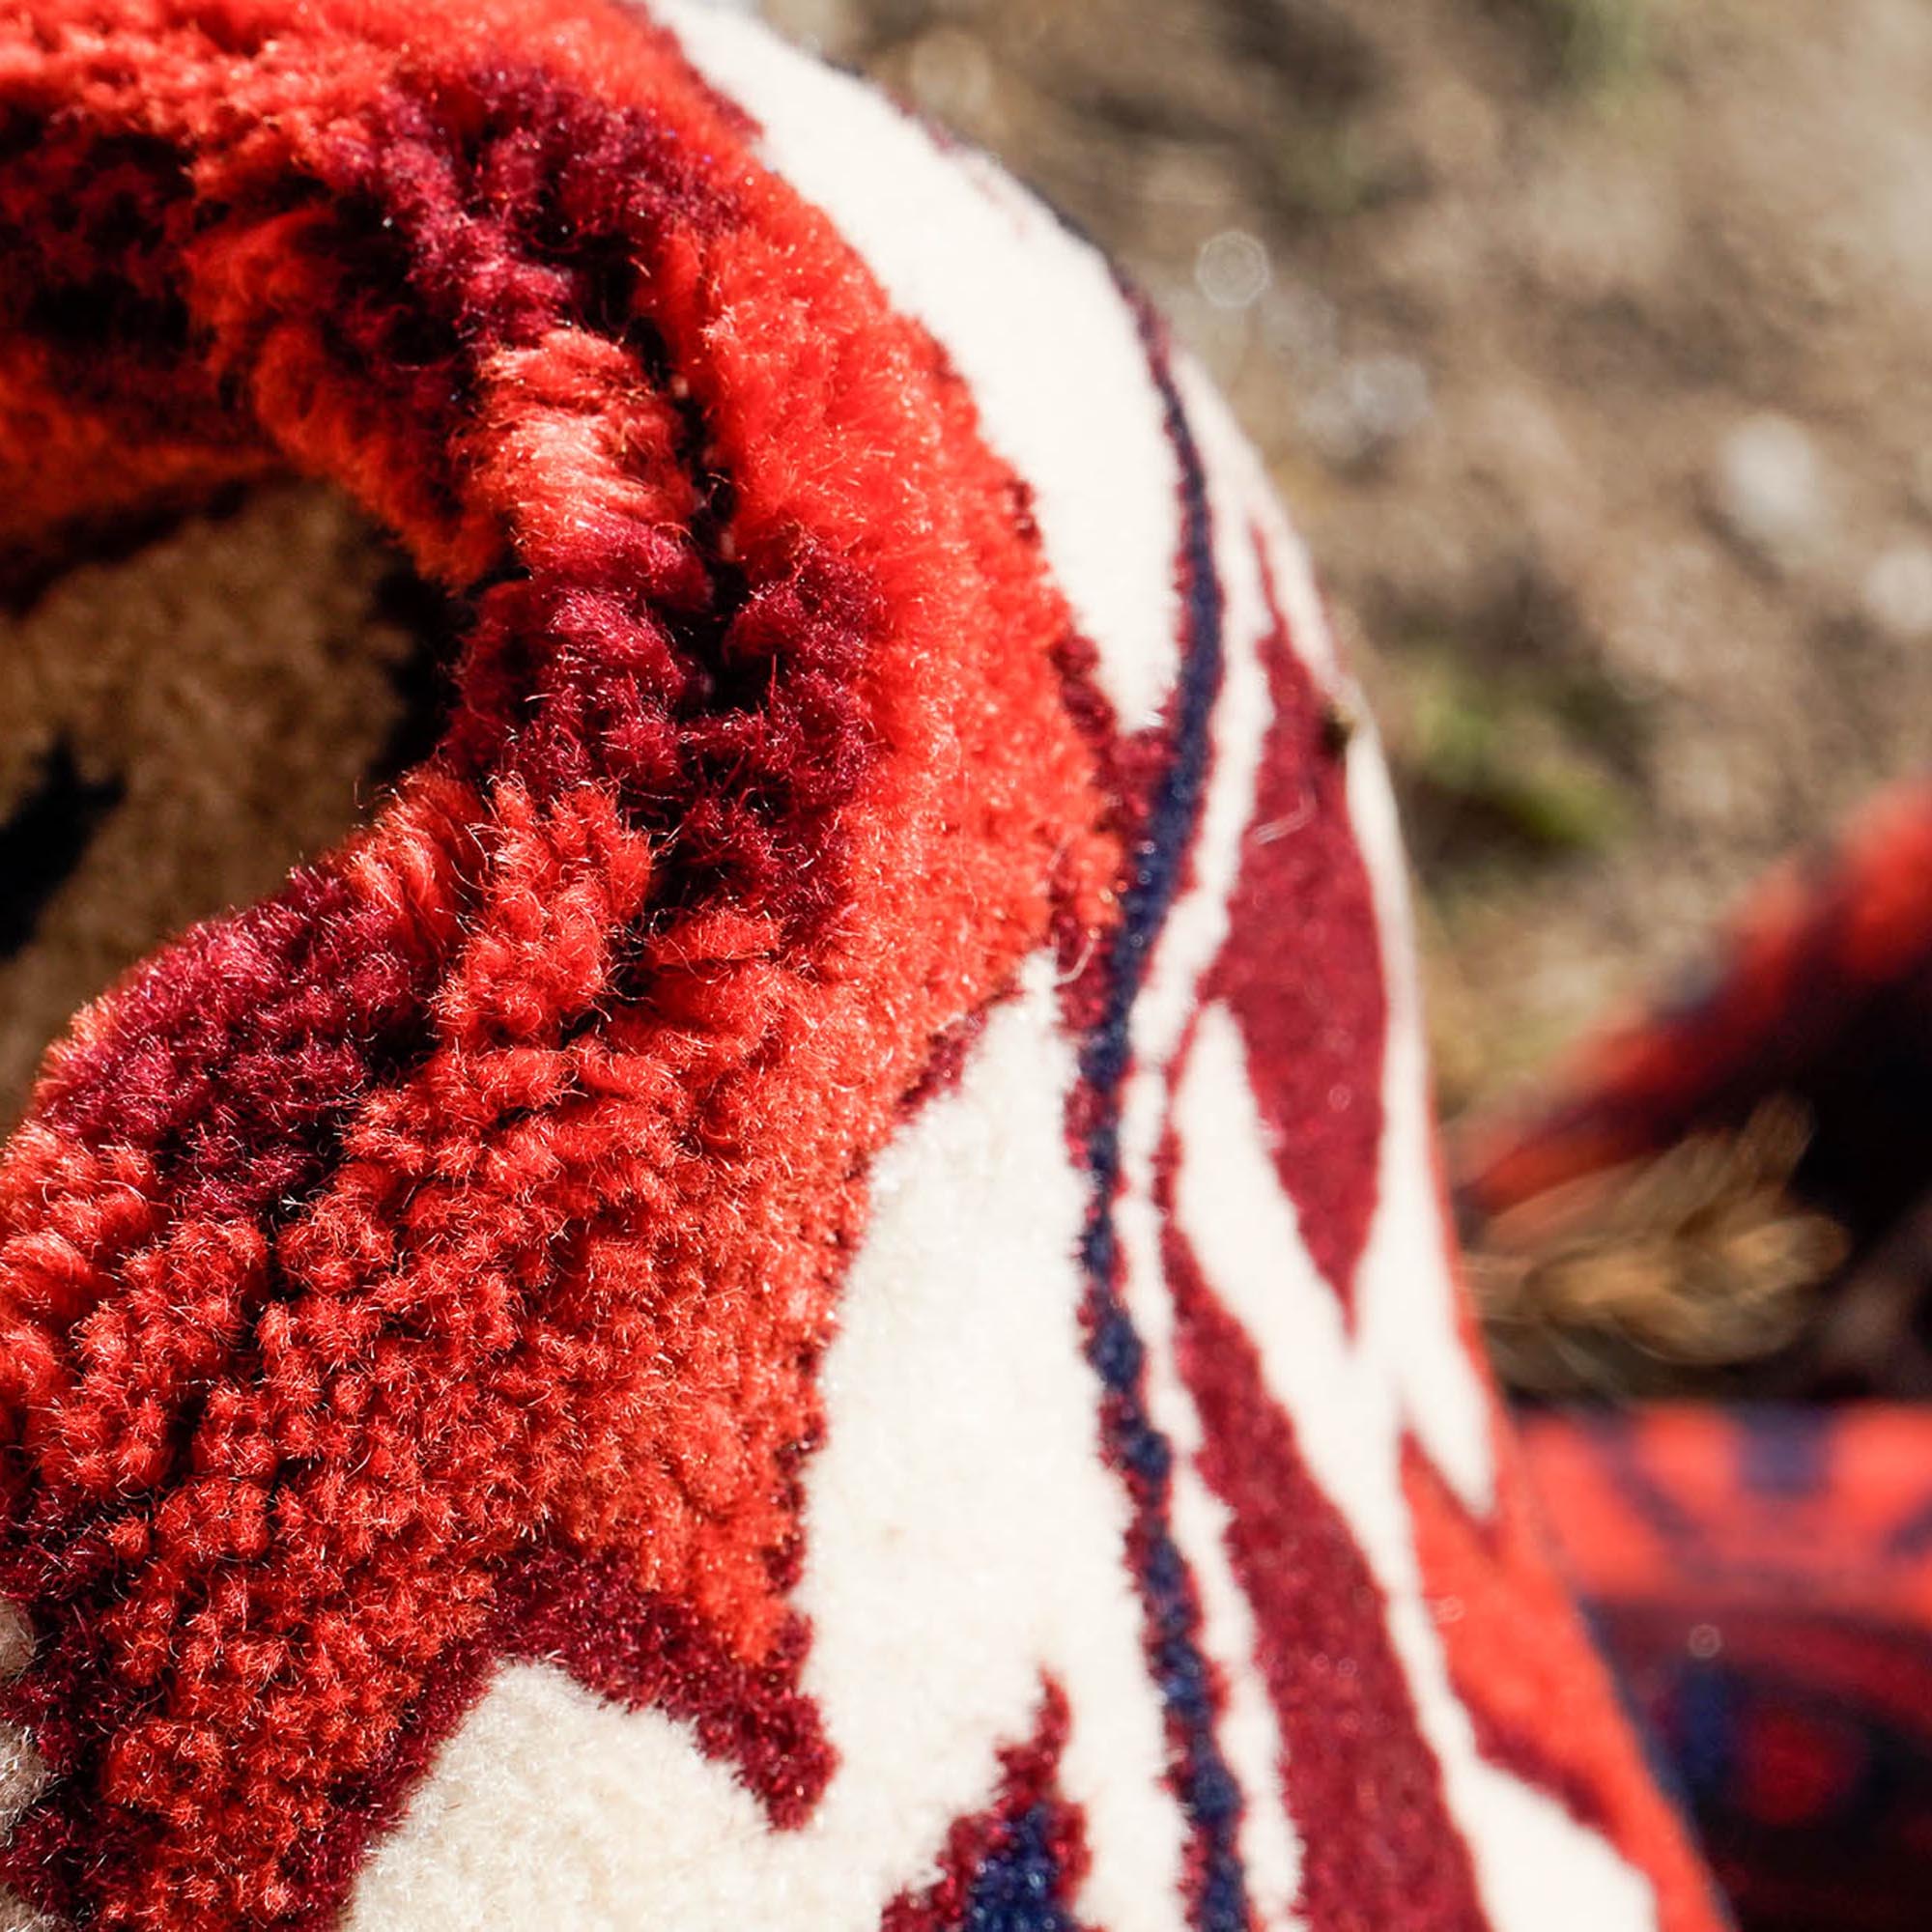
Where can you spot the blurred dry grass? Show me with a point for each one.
(1671, 1274)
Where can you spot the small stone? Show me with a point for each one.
(1183, 180)
(1896, 595)
(829, 27)
(1371, 404)
(1299, 324)
(1231, 270)
(952, 76)
(1769, 493)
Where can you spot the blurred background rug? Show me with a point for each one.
(1764, 1579)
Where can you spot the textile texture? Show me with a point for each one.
(1763, 1580)
(806, 1284)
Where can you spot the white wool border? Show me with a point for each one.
(963, 1540)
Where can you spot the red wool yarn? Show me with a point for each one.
(710, 1215)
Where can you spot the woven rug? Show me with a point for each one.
(798, 1278)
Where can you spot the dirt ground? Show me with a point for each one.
(1586, 339)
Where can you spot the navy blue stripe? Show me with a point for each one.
(1208, 1792)
(1783, 1450)
(1021, 1887)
